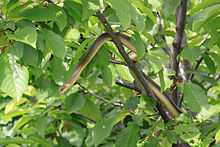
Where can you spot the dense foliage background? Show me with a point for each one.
(41, 41)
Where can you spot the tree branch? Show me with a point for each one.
(101, 98)
(128, 85)
(162, 112)
(177, 45)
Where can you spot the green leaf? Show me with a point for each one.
(91, 110)
(209, 112)
(8, 117)
(201, 17)
(72, 35)
(26, 35)
(3, 40)
(137, 18)
(169, 7)
(74, 9)
(145, 10)
(56, 43)
(124, 73)
(217, 137)
(16, 140)
(202, 5)
(162, 80)
(63, 142)
(188, 132)
(194, 97)
(103, 127)
(122, 9)
(107, 75)
(17, 50)
(13, 77)
(138, 43)
(74, 102)
(39, 13)
(129, 136)
(21, 122)
(13, 104)
(58, 70)
(209, 63)
(191, 54)
(40, 140)
(31, 56)
(61, 19)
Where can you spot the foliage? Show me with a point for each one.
(41, 41)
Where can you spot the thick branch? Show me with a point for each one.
(177, 44)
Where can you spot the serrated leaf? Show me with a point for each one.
(13, 77)
(26, 35)
(56, 43)
(195, 97)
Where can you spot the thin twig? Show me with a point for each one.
(101, 98)
(128, 85)
(117, 62)
(198, 63)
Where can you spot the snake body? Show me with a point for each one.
(92, 51)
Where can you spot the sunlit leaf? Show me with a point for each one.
(56, 43)
(195, 97)
(13, 77)
(26, 35)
